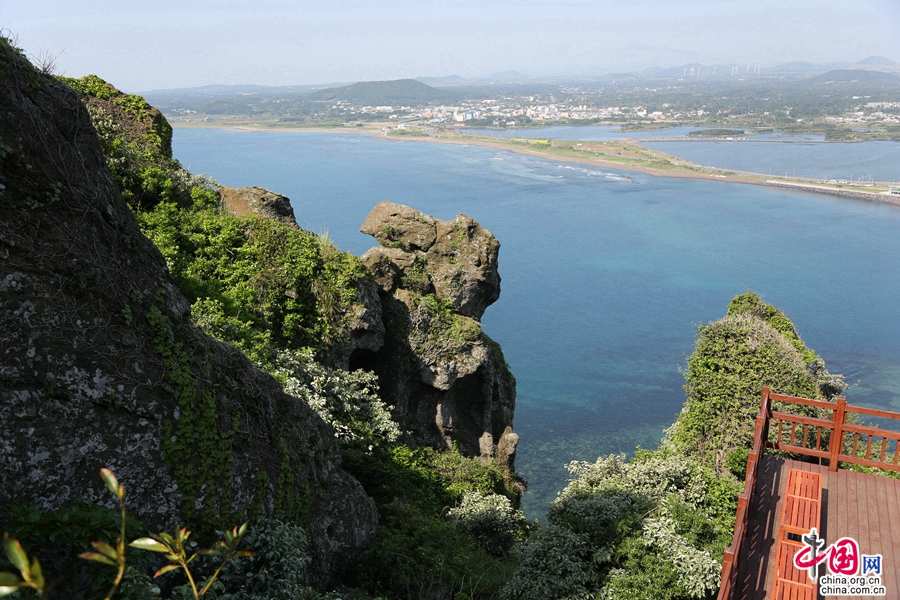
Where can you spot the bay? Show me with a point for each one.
(606, 274)
(795, 155)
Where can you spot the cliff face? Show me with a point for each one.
(448, 381)
(100, 367)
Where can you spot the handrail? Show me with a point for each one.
(834, 432)
(828, 432)
(730, 560)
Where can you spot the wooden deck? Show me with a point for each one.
(863, 507)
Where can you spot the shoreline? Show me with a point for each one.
(732, 176)
(743, 177)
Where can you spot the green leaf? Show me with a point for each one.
(16, 554)
(149, 544)
(97, 557)
(166, 569)
(8, 579)
(112, 484)
(37, 575)
(106, 550)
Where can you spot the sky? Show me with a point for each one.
(167, 44)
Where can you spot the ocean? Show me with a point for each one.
(606, 274)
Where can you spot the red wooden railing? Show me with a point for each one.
(835, 440)
(732, 556)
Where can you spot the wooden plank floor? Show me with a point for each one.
(863, 507)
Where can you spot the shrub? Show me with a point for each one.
(417, 552)
(277, 570)
(345, 400)
(647, 524)
(554, 563)
(490, 520)
(732, 361)
(56, 538)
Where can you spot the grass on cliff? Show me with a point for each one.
(256, 284)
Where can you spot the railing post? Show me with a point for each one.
(837, 435)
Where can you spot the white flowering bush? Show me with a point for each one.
(348, 401)
(491, 520)
(644, 528)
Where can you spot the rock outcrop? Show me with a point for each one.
(447, 380)
(258, 201)
(100, 367)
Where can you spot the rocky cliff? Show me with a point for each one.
(447, 380)
(100, 366)
(258, 201)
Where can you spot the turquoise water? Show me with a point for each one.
(606, 275)
(804, 156)
(879, 161)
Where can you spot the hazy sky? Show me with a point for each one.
(169, 44)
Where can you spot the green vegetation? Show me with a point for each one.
(136, 141)
(174, 548)
(407, 133)
(56, 538)
(754, 345)
(418, 552)
(282, 296)
(437, 331)
(653, 528)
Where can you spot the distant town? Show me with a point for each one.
(844, 104)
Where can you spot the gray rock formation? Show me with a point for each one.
(459, 256)
(99, 366)
(258, 201)
(448, 381)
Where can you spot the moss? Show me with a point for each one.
(91, 85)
(437, 331)
(196, 446)
(416, 279)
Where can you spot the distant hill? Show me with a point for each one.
(877, 63)
(405, 92)
(508, 77)
(447, 79)
(876, 60)
(854, 75)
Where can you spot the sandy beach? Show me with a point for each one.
(681, 170)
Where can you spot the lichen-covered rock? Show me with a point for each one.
(399, 226)
(462, 264)
(258, 201)
(458, 257)
(448, 381)
(366, 328)
(99, 366)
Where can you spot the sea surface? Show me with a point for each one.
(796, 155)
(606, 274)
